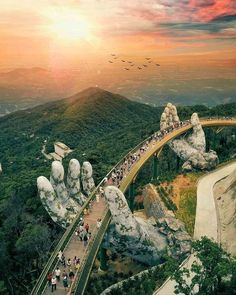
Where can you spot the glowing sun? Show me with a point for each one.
(70, 26)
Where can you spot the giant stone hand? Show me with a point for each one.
(73, 182)
(144, 239)
(62, 201)
(192, 148)
(87, 178)
(129, 235)
(51, 203)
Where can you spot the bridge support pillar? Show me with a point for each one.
(155, 167)
(131, 196)
(103, 259)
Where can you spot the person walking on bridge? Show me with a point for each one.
(58, 274)
(65, 282)
(86, 227)
(71, 275)
(49, 279)
(85, 240)
(54, 284)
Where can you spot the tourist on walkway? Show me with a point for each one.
(81, 222)
(54, 284)
(58, 274)
(99, 223)
(102, 191)
(68, 262)
(64, 273)
(74, 260)
(86, 227)
(82, 234)
(77, 265)
(97, 198)
(49, 278)
(63, 260)
(65, 282)
(60, 256)
(77, 232)
(85, 240)
(71, 275)
(81, 227)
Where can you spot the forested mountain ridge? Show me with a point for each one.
(100, 127)
(93, 122)
(80, 121)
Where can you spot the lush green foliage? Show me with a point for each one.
(214, 271)
(144, 283)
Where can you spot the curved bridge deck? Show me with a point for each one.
(69, 243)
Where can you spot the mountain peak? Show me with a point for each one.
(93, 94)
(94, 90)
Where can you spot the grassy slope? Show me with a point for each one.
(187, 203)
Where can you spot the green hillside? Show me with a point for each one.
(93, 118)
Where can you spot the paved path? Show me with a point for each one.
(206, 217)
(76, 247)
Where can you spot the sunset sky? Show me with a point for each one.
(62, 33)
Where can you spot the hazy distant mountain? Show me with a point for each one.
(23, 88)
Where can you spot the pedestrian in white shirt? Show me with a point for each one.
(54, 284)
(58, 274)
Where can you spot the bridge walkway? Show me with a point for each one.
(76, 247)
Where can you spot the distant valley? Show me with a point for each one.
(28, 87)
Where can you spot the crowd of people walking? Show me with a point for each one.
(82, 232)
(66, 277)
(123, 168)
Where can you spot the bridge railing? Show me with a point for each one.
(64, 241)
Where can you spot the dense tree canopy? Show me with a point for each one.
(213, 272)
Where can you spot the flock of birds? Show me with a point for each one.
(129, 64)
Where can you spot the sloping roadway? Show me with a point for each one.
(68, 241)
